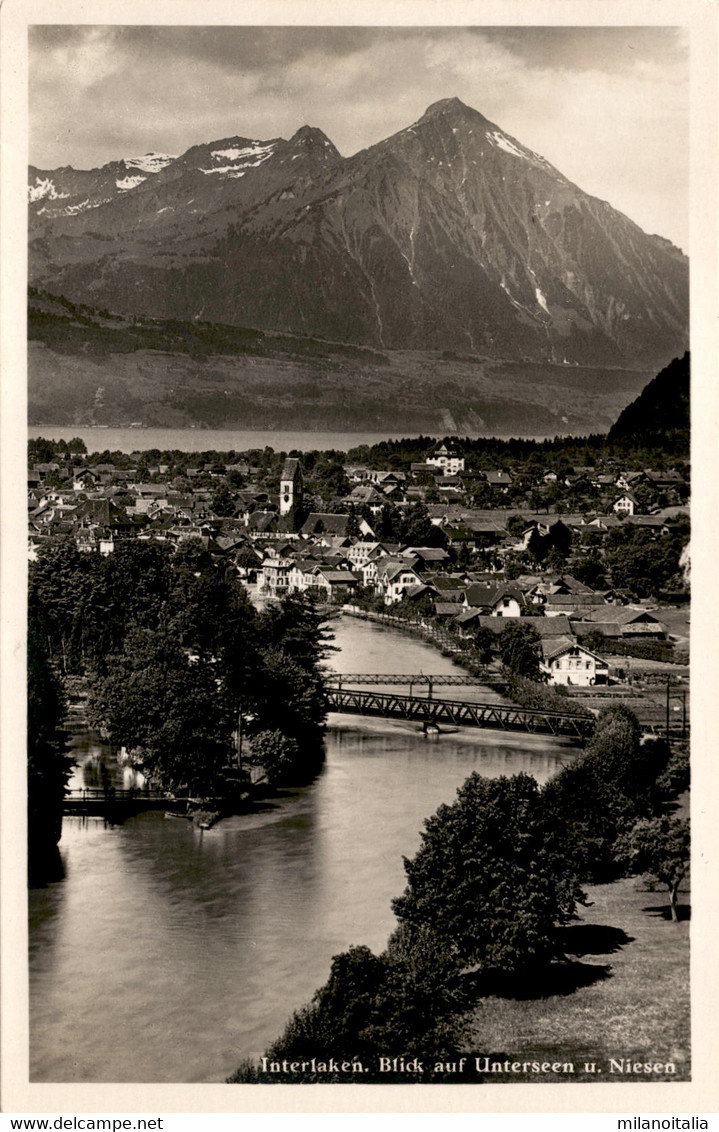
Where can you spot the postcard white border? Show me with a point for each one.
(701, 18)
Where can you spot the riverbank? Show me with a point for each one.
(622, 995)
(431, 634)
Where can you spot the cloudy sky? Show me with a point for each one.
(607, 106)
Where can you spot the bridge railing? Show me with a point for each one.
(101, 793)
(449, 679)
(460, 712)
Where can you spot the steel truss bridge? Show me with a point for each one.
(452, 679)
(459, 713)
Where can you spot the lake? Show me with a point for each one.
(207, 440)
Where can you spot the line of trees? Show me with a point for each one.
(496, 876)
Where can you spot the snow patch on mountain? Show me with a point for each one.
(541, 299)
(44, 189)
(150, 162)
(260, 152)
(228, 170)
(127, 183)
(254, 150)
(502, 142)
(84, 205)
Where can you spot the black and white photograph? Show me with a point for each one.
(355, 557)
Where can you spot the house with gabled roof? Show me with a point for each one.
(573, 604)
(617, 621)
(496, 600)
(394, 576)
(565, 661)
(499, 479)
(626, 504)
(335, 585)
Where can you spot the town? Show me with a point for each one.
(595, 558)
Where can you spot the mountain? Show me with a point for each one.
(659, 417)
(90, 367)
(449, 235)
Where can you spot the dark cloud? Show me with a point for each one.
(99, 92)
(224, 48)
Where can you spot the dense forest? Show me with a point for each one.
(184, 673)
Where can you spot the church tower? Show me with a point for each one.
(290, 486)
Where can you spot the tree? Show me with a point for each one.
(641, 563)
(353, 527)
(166, 706)
(605, 791)
(400, 1002)
(517, 525)
(277, 754)
(48, 765)
(488, 880)
(485, 642)
(61, 582)
(520, 650)
(223, 501)
(660, 847)
(590, 571)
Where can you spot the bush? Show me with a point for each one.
(277, 754)
(539, 697)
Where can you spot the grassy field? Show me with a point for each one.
(624, 994)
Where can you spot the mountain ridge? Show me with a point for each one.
(448, 235)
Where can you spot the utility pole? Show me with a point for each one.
(239, 737)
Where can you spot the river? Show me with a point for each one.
(168, 954)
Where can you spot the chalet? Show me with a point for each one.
(262, 523)
(85, 479)
(668, 479)
(625, 480)
(367, 495)
(626, 504)
(559, 584)
(426, 556)
(447, 609)
(103, 513)
(499, 480)
(394, 575)
(321, 522)
(335, 585)
(565, 661)
(497, 601)
(622, 621)
(572, 604)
